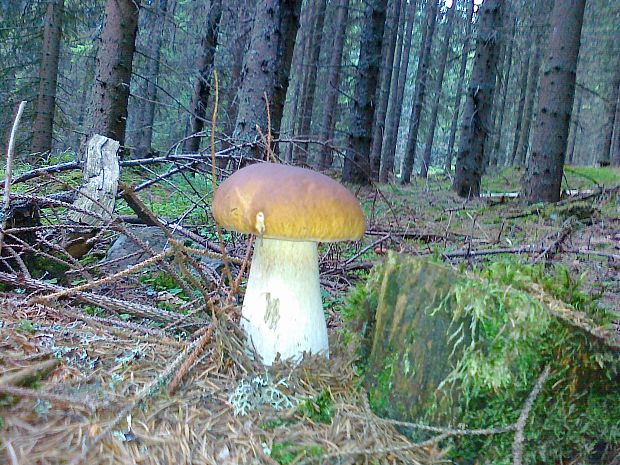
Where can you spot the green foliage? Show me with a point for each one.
(319, 409)
(514, 336)
(26, 326)
(286, 453)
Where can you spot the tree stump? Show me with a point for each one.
(412, 350)
(97, 195)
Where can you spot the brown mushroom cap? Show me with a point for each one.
(290, 203)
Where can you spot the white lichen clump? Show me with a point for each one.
(259, 391)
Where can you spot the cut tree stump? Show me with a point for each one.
(411, 349)
(97, 195)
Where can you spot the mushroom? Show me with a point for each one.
(290, 210)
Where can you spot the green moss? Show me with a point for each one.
(286, 453)
(320, 409)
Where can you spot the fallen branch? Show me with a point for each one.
(27, 374)
(65, 401)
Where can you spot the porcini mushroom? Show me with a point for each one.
(290, 210)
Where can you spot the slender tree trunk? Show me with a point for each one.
(156, 37)
(291, 10)
(202, 87)
(528, 110)
(388, 152)
(237, 50)
(297, 70)
(612, 110)
(48, 77)
(497, 157)
(333, 82)
(525, 65)
(389, 46)
(113, 69)
(406, 167)
(575, 130)
(478, 104)
(265, 70)
(356, 167)
(428, 146)
(310, 71)
(461, 85)
(543, 178)
(615, 140)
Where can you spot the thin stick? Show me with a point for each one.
(517, 445)
(187, 364)
(9, 169)
(214, 179)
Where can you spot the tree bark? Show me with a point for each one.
(478, 104)
(496, 158)
(389, 46)
(202, 87)
(328, 122)
(615, 140)
(575, 130)
(356, 167)
(428, 146)
(406, 167)
(151, 75)
(48, 76)
(310, 72)
(291, 10)
(543, 179)
(612, 110)
(113, 72)
(388, 152)
(530, 100)
(525, 66)
(461, 85)
(266, 65)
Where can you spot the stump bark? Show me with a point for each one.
(413, 349)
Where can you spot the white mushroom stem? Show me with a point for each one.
(282, 309)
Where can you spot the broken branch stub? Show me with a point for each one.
(97, 194)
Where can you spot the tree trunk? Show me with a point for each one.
(266, 65)
(113, 73)
(151, 75)
(356, 167)
(543, 178)
(478, 104)
(333, 82)
(297, 70)
(525, 65)
(428, 147)
(497, 158)
(615, 139)
(612, 110)
(202, 87)
(388, 152)
(573, 136)
(419, 93)
(461, 85)
(310, 72)
(291, 10)
(48, 76)
(389, 46)
(530, 100)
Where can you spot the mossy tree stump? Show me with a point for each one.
(413, 346)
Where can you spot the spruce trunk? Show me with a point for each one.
(543, 178)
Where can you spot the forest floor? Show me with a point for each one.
(88, 383)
